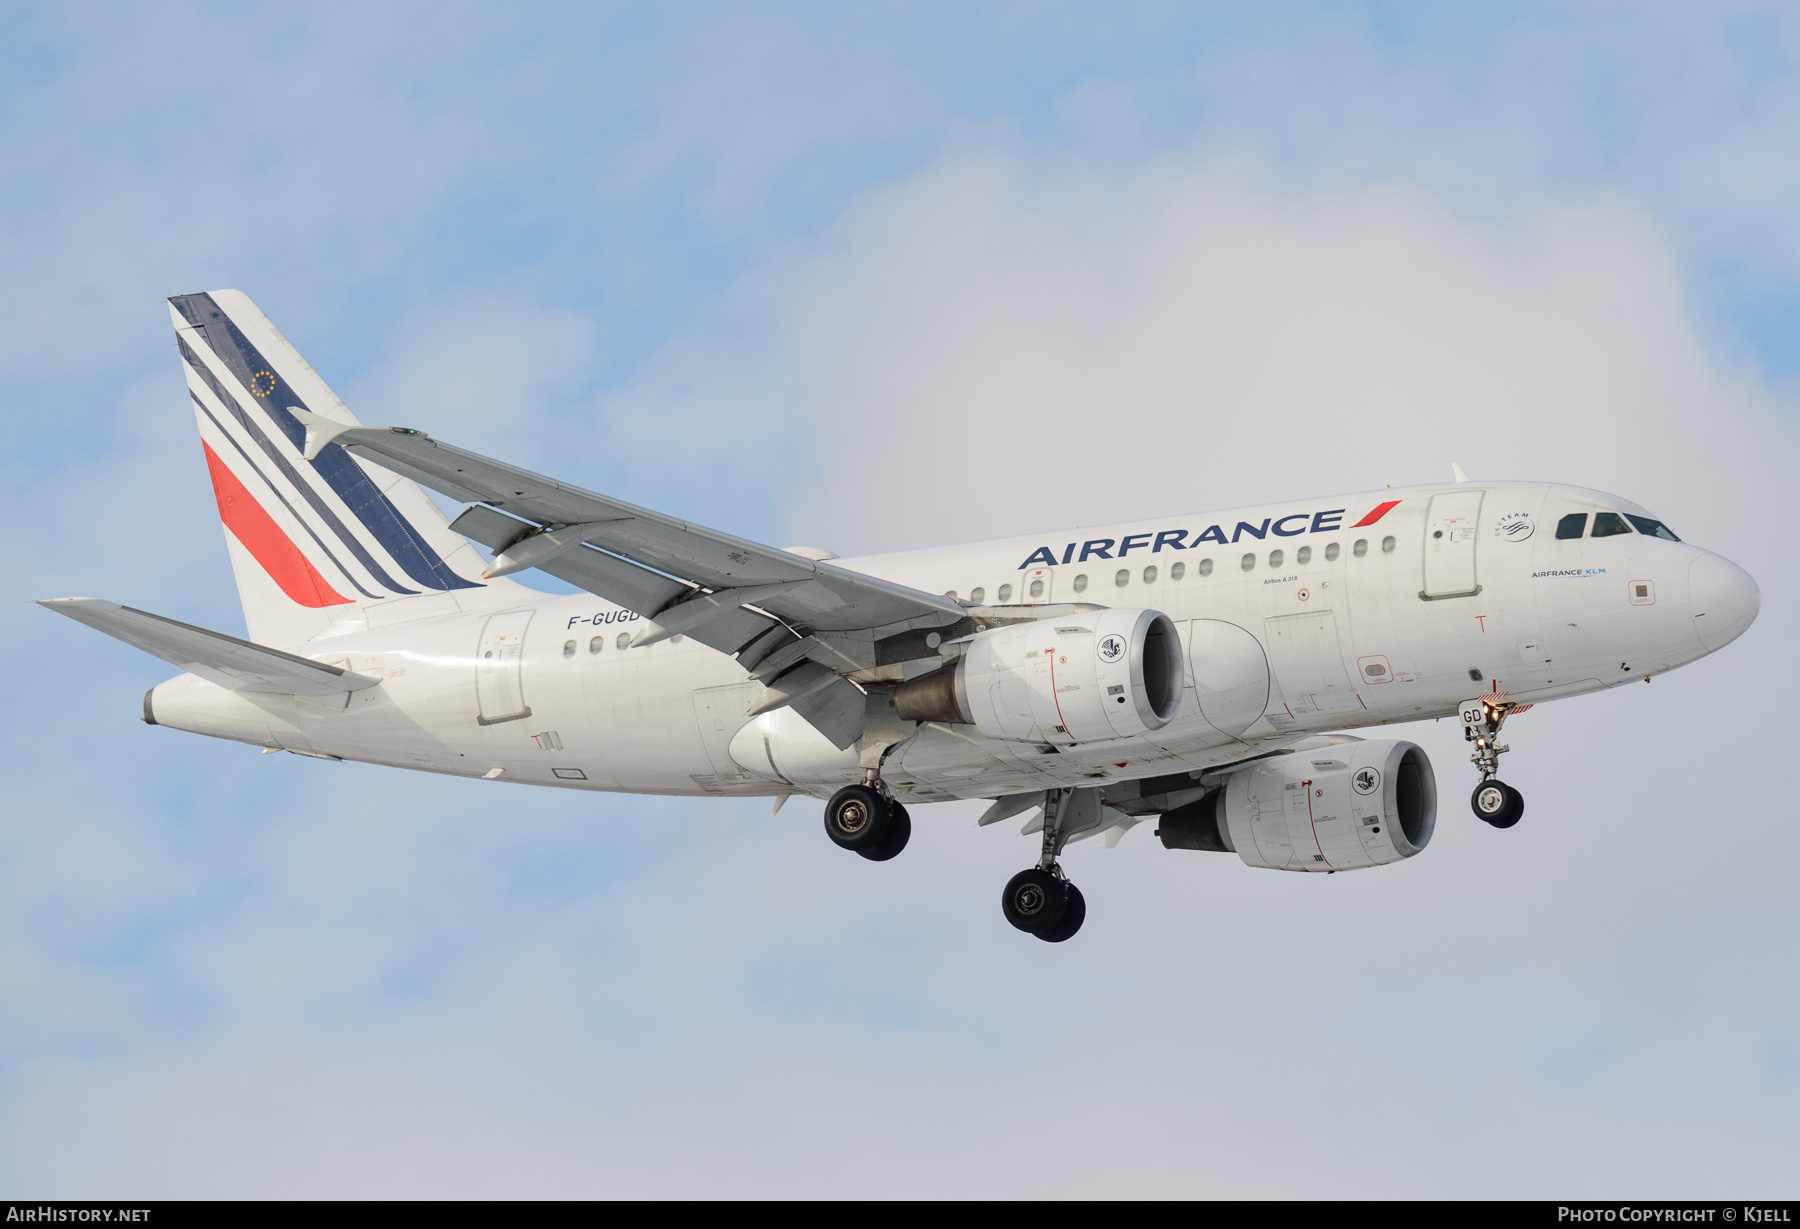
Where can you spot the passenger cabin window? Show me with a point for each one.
(1606, 524)
(1006, 593)
(1150, 576)
(1275, 558)
(1387, 545)
(1361, 548)
(1123, 577)
(568, 648)
(1037, 588)
(1081, 583)
(1177, 571)
(950, 593)
(1655, 529)
(624, 639)
(1572, 526)
(1206, 567)
(1248, 562)
(1303, 556)
(596, 644)
(978, 596)
(1331, 553)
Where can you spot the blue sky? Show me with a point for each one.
(874, 277)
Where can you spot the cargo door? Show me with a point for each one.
(499, 669)
(1308, 665)
(1450, 545)
(720, 714)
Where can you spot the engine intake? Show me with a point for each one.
(1351, 806)
(1074, 678)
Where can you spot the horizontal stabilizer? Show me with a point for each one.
(234, 664)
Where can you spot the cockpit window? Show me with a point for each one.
(1655, 529)
(1606, 524)
(1572, 525)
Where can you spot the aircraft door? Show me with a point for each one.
(1035, 585)
(499, 669)
(1450, 545)
(1309, 664)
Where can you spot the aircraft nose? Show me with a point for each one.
(1725, 600)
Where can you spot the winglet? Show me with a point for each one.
(1455, 470)
(320, 430)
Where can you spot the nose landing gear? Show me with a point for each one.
(1494, 801)
(1498, 803)
(1040, 900)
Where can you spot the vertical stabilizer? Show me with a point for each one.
(315, 541)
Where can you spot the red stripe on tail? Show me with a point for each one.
(1380, 511)
(263, 538)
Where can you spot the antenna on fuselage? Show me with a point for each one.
(1456, 472)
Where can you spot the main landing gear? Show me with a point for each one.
(1041, 901)
(1494, 801)
(865, 818)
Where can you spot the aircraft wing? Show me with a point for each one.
(234, 664)
(782, 615)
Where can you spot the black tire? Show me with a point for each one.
(1497, 803)
(857, 818)
(1074, 914)
(1034, 900)
(899, 831)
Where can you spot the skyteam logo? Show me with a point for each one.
(1514, 527)
(1110, 649)
(1366, 781)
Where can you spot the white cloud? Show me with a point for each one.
(1033, 346)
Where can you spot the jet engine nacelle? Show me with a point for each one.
(1349, 806)
(1074, 678)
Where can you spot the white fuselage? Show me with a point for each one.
(1443, 597)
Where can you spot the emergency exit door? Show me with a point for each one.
(1450, 545)
(499, 669)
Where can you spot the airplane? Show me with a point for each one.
(1202, 671)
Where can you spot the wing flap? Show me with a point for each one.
(234, 664)
(837, 600)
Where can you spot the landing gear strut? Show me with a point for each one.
(1040, 900)
(1494, 801)
(866, 819)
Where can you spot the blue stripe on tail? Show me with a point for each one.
(325, 514)
(336, 466)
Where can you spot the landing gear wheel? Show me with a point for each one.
(1497, 803)
(899, 831)
(857, 818)
(1074, 914)
(1035, 900)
